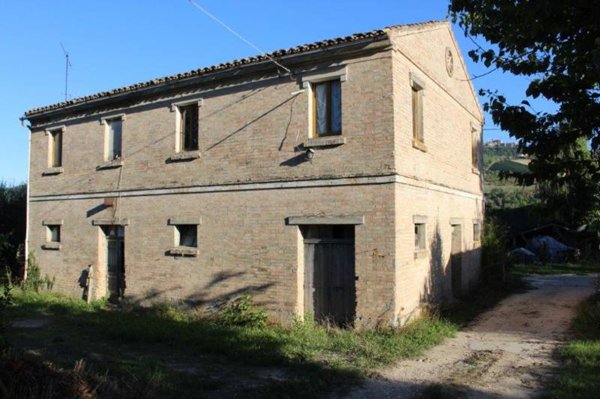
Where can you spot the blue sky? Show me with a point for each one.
(114, 43)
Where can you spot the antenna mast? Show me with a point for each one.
(67, 66)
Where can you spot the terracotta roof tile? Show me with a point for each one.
(374, 34)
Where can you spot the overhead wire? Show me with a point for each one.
(239, 36)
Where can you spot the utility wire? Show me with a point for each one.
(249, 43)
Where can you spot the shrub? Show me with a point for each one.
(241, 311)
(34, 280)
(494, 257)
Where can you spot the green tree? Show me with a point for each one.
(556, 44)
(13, 205)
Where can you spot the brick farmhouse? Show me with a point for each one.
(344, 183)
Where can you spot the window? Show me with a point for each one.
(114, 133)
(327, 108)
(476, 231)
(475, 140)
(186, 235)
(417, 87)
(188, 127)
(420, 241)
(53, 233)
(55, 150)
(52, 230)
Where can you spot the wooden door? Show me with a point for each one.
(115, 262)
(456, 260)
(330, 293)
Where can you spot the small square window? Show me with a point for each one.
(186, 235)
(114, 138)
(53, 233)
(420, 238)
(327, 108)
(476, 231)
(55, 150)
(188, 127)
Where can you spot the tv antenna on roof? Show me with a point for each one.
(67, 66)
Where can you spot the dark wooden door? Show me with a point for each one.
(330, 293)
(456, 260)
(115, 261)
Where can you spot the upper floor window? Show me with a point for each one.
(475, 141)
(55, 148)
(114, 139)
(327, 108)
(417, 89)
(188, 127)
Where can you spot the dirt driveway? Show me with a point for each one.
(505, 353)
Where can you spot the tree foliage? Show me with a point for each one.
(556, 45)
(13, 205)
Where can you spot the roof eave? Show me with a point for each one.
(350, 48)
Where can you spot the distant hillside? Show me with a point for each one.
(496, 150)
(510, 166)
(508, 200)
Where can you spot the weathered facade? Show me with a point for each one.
(350, 188)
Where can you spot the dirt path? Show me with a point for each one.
(506, 353)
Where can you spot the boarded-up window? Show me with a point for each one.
(420, 241)
(475, 140)
(417, 114)
(55, 148)
(186, 235)
(114, 138)
(188, 127)
(327, 108)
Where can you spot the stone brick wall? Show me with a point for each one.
(438, 183)
(243, 243)
(251, 175)
(249, 131)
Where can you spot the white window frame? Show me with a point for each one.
(180, 250)
(106, 121)
(418, 85)
(308, 80)
(175, 107)
(475, 147)
(48, 225)
(420, 220)
(51, 144)
(477, 222)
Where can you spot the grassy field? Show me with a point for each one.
(579, 378)
(72, 349)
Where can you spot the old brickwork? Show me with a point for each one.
(252, 174)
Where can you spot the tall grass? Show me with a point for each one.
(579, 378)
(315, 359)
